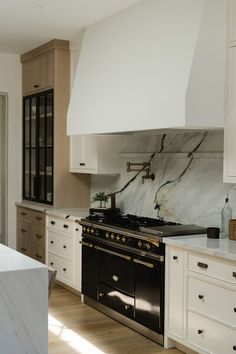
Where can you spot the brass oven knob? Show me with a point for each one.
(123, 239)
(140, 244)
(112, 236)
(118, 238)
(92, 231)
(127, 307)
(107, 235)
(147, 245)
(88, 229)
(84, 228)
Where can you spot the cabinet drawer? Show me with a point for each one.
(24, 214)
(207, 299)
(210, 336)
(38, 253)
(23, 230)
(63, 267)
(24, 246)
(116, 300)
(54, 223)
(212, 268)
(63, 246)
(37, 217)
(38, 235)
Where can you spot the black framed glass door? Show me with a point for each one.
(38, 147)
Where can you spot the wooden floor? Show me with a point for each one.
(77, 328)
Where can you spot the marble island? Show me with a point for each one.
(223, 248)
(23, 304)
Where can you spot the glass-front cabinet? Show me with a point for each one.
(38, 147)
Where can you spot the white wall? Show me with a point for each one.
(10, 83)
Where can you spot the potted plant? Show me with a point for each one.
(102, 198)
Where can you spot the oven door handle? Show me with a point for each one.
(128, 258)
(83, 243)
(149, 265)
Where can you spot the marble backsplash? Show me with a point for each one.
(188, 185)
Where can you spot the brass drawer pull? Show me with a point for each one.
(38, 236)
(83, 243)
(200, 297)
(202, 265)
(51, 263)
(127, 307)
(23, 213)
(36, 86)
(23, 230)
(53, 222)
(64, 269)
(82, 164)
(234, 274)
(115, 278)
(200, 331)
(234, 309)
(38, 256)
(65, 226)
(128, 258)
(175, 258)
(39, 218)
(234, 347)
(149, 265)
(52, 242)
(23, 249)
(64, 246)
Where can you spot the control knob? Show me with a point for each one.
(123, 239)
(107, 235)
(92, 231)
(112, 236)
(148, 246)
(140, 244)
(117, 237)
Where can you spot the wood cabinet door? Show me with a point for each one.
(38, 74)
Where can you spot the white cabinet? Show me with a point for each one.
(230, 99)
(95, 154)
(175, 291)
(63, 250)
(200, 302)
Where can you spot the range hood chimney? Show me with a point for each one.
(156, 65)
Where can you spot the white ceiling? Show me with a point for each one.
(25, 24)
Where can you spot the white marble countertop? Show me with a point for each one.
(11, 260)
(222, 248)
(68, 213)
(74, 213)
(34, 206)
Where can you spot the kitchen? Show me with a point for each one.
(145, 121)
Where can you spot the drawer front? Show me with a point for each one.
(115, 271)
(38, 235)
(54, 223)
(24, 214)
(117, 301)
(38, 217)
(63, 267)
(38, 253)
(207, 299)
(63, 246)
(210, 336)
(24, 246)
(23, 230)
(212, 268)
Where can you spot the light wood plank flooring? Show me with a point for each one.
(75, 328)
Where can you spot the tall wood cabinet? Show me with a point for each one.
(46, 89)
(46, 147)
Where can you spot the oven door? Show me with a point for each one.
(149, 293)
(116, 269)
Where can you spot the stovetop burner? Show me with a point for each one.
(128, 221)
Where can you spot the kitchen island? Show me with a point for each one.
(23, 304)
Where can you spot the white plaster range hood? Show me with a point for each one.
(156, 65)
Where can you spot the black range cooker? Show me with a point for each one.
(123, 267)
